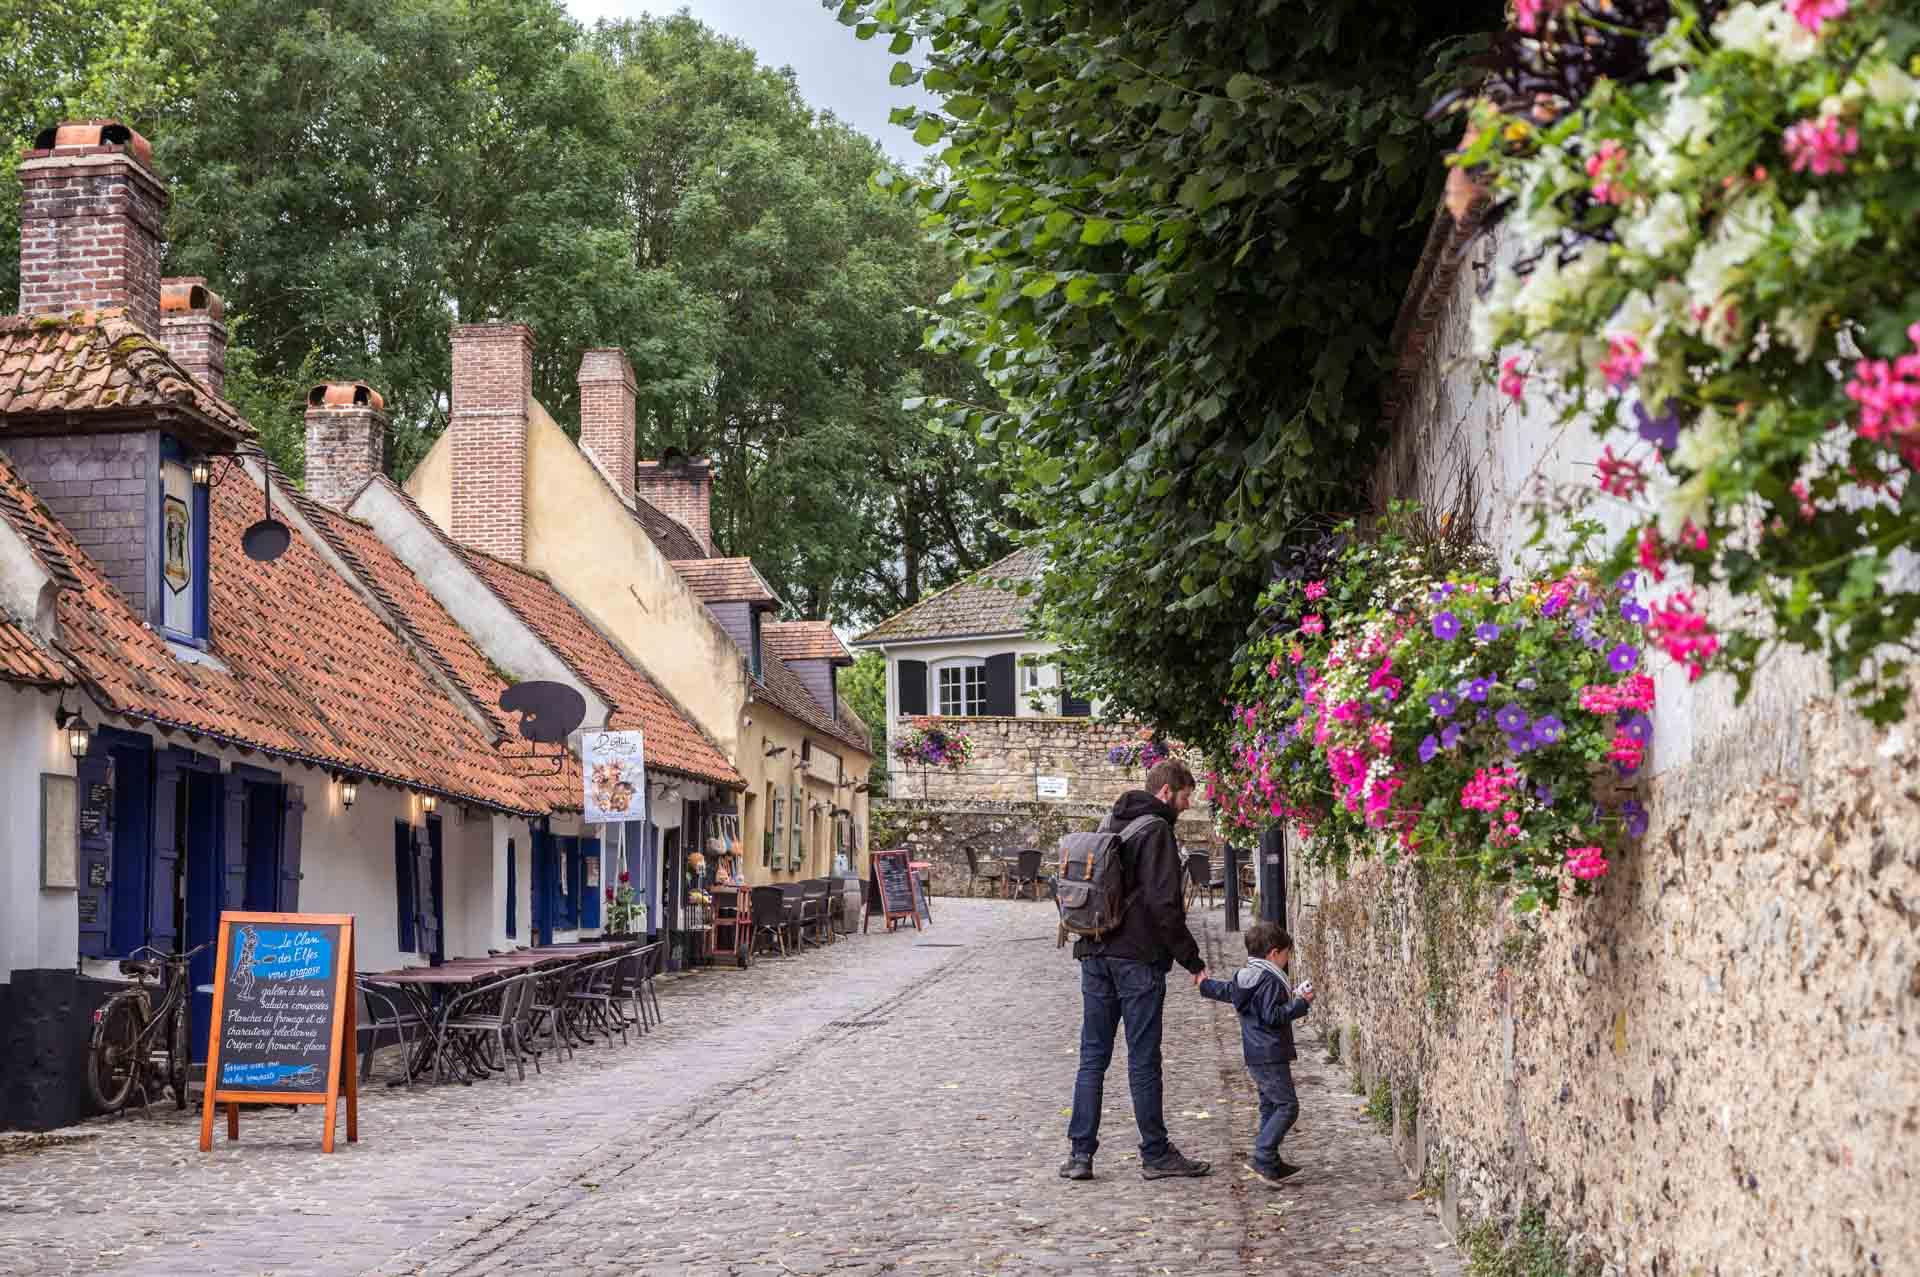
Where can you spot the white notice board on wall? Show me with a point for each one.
(1051, 786)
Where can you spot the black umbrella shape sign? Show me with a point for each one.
(548, 711)
(268, 539)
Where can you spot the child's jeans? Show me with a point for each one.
(1279, 1106)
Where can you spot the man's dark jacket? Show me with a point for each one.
(1154, 928)
(1267, 1010)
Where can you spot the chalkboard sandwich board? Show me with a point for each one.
(283, 1019)
(891, 890)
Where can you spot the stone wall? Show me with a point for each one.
(1010, 753)
(1714, 1066)
(941, 830)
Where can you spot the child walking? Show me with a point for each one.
(1268, 1005)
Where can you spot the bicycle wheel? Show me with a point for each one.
(113, 1058)
(179, 1057)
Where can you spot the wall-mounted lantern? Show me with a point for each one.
(79, 735)
(349, 790)
(429, 803)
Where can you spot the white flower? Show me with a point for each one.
(1685, 503)
(1705, 443)
(1800, 329)
(1670, 48)
(1493, 314)
(1717, 266)
(1765, 31)
(1888, 85)
(1806, 230)
(1666, 226)
(1679, 135)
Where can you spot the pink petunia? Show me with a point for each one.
(1513, 382)
(1814, 14)
(1820, 145)
(1624, 360)
(1316, 590)
(1312, 624)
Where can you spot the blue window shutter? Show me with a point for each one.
(290, 824)
(403, 882)
(96, 856)
(200, 562)
(910, 687)
(513, 893)
(233, 841)
(428, 915)
(542, 903)
(133, 826)
(165, 863)
(592, 885)
(566, 856)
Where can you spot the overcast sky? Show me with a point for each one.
(836, 71)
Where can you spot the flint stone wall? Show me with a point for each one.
(1714, 1066)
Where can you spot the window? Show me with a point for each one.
(963, 688)
(1035, 677)
(180, 542)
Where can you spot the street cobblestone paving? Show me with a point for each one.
(889, 1104)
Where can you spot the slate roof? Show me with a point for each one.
(24, 660)
(310, 672)
(61, 370)
(974, 606)
(673, 537)
(725, 581)
(805, 641)
(674, 743)
(781, 687)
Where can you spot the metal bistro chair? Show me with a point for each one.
(596, 1001)
(793, 918)
(813, 907)
(650, 958)
(550, 1007)
(769, 904)
(386, 1012)
(490, 1011)
(993, 874)
(1201, 878)
(1025, 872)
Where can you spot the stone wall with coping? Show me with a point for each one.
(1714, 1066)
(941, 830)
(1010, 754)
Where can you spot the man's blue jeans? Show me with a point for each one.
(1279, 1106)
(1114, 991)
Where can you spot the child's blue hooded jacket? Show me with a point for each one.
(1267, 1006)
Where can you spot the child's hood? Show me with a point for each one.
(1258, 969)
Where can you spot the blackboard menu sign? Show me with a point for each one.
(891, 890)
(283, 1018)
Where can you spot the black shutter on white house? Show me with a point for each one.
(911, 677)
(1000, 685)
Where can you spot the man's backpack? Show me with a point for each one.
(1091, 888)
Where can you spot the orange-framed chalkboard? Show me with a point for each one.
(283, 1019)
(891, 891)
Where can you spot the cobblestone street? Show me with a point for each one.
(895, 1103)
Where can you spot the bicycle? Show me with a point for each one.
(126, 1049)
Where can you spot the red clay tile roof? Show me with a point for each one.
(98, 364)
(976, 605)
(805, 641)
(782, 688)
(674, 742)
(24, 660)
(310, 671)
(725, 580)
(673, 537)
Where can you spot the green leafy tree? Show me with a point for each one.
(1186, 229)
(864, 684)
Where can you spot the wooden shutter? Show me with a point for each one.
(426, 896)
(910, 678)
(513, 892)
(1072, 706)
(592, 882)
(403, 907)
(95, 771)
(540, 883)
(291, 823)
(1001, 675)
(233, 841)
(166, 854)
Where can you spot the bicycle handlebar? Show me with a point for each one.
(171, 958)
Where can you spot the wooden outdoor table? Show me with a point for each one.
(426, 986)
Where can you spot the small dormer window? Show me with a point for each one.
(179, 555)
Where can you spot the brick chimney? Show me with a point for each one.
(492, 386)
(606, 415)
(683, 488)
(192, 331)
(346, 440)
(92, 223)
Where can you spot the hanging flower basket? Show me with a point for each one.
(929, 745)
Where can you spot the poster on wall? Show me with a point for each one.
(615, 767)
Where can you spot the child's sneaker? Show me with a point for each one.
(1268, 1175)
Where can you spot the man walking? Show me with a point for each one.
(1123, 978)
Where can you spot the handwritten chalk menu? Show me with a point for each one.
(283, 1018)
(891, 891)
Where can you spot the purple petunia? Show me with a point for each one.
(1440, 593)
(1443, 704)
(1626, 582)
(1527, 684)
(1543, 792)
(1486, 631)
(1511, 718)
(1595, 642)
(1663, 432)
(1519, 743)
(1638, 726)
(1450, 736)
(1446, 626)
(1552, 605)
(1632, 613)
(1623, 657)
(1548, 730)
(1636, 818)
(1428, 748)
(1476, 689)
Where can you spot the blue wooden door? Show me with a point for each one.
(131, 880)
(591, 880)
(207, 884)
(163, 867)
(542, 887)
(293, 813)
(437, 877)
(94, 775)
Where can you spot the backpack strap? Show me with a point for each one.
(1134, 826)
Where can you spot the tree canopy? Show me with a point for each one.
(355, 175)
(1185, 227)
